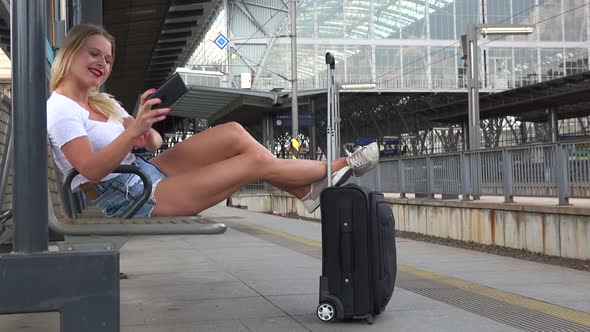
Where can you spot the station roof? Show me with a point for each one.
(571, 95)
(153, 38)
(219, 105)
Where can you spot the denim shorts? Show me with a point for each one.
(117, 195)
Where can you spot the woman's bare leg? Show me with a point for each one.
(229, 140)
(212, 145)
(195, 190)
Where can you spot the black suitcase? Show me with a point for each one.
(359, 261)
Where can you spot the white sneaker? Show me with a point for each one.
(364, 159)
(311, 201)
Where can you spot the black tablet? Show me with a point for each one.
(170, 91)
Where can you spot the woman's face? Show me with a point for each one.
(92, 64)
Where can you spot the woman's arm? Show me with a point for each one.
(96, 165)
(154, 141)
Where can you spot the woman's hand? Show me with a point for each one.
(146, 116)
(150, 141)
(141, 142)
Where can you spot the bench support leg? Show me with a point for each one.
(82, 286)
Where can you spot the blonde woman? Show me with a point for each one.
(91, 132)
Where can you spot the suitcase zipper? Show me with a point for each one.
(381, 260)
(371, 215)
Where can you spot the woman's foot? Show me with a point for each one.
(364, 159)
(311, 201)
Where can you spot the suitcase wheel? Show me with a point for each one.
(326, 312)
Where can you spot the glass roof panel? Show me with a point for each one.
(351, 18)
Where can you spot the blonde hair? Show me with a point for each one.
(101, 102)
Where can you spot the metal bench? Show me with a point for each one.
(69, 215)
(63, 216)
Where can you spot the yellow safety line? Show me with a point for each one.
(511, 298)
(507, 297)
(277, 233)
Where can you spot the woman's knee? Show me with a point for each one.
(262, 158)
(242, 137)
(235, 128)
(236, 132)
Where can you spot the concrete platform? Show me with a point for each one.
(262, 275)
(529, 223)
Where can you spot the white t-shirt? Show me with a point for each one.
(67, 120)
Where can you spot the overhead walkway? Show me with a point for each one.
(262, 275)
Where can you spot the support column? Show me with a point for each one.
(562, 178)
(553, 123)
(267, 132)
(465, 135)
(373, 63)
(30, 126)
(294, 100)
(312, 132)
(336, 149)
(523, 133)
(473, 112)
(473, 88)
(74, 13)
(227, 53)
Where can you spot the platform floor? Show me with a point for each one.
(262, 275)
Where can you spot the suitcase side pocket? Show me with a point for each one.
(387, 258)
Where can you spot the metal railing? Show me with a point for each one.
(390, 82)
(559, 170)
(257, 185)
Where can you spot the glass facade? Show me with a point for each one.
(410, 44)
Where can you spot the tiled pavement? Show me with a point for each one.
(259, 280)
